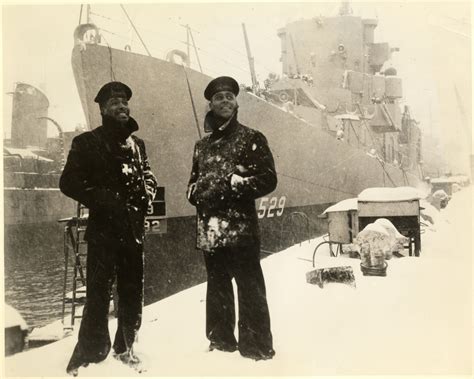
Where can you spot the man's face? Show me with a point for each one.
(117, 108)
(223, 104)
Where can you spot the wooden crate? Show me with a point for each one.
(342, 226)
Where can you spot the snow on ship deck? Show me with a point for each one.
(417, 320)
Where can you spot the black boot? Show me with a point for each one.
(77, 360)
(258, 355)
(129, 358)
(222, 346)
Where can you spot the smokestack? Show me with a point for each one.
(29, 103)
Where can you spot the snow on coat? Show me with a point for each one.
(226, 214)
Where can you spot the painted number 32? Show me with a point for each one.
(271, 207)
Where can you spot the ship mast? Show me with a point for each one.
(251, 61)
(294, 55)
(88, 14)
(345, 9)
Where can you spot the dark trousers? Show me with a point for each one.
(104, 262)
(243, 264)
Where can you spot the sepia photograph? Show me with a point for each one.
(237, 189)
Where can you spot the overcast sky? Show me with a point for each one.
(434, 41)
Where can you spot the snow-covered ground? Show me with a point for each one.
(417, 320)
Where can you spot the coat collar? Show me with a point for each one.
(118, 132)
(212, 124)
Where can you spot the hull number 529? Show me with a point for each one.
(271, 206)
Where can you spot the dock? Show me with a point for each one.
(417, 320)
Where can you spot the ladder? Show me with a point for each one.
(75, 250)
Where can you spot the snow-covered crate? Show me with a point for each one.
(399, 201)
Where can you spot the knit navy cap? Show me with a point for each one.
(222, 83)
(113, 89)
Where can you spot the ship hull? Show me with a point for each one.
(24, 206)
(312, 166)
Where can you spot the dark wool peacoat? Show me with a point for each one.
(227, 217)
(110, 175)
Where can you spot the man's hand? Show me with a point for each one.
(237, 181)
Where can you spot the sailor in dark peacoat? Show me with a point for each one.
(107, 170)
(111, 176)
(232, 167)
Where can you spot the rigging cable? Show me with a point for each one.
(214, 56)
(195, 48)
(192, 102)
(224, 45)
(223, 60)
(115, 34)
(112, 74)
(134, 28)
(109, 18)
(353, 129)
(380, 160)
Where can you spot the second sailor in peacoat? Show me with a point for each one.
(232, 167)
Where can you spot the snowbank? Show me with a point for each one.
(13, 318)
(417, 320)
(25, 153)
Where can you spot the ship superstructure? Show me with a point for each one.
(335, 76)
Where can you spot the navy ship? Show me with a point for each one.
(332, 119)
